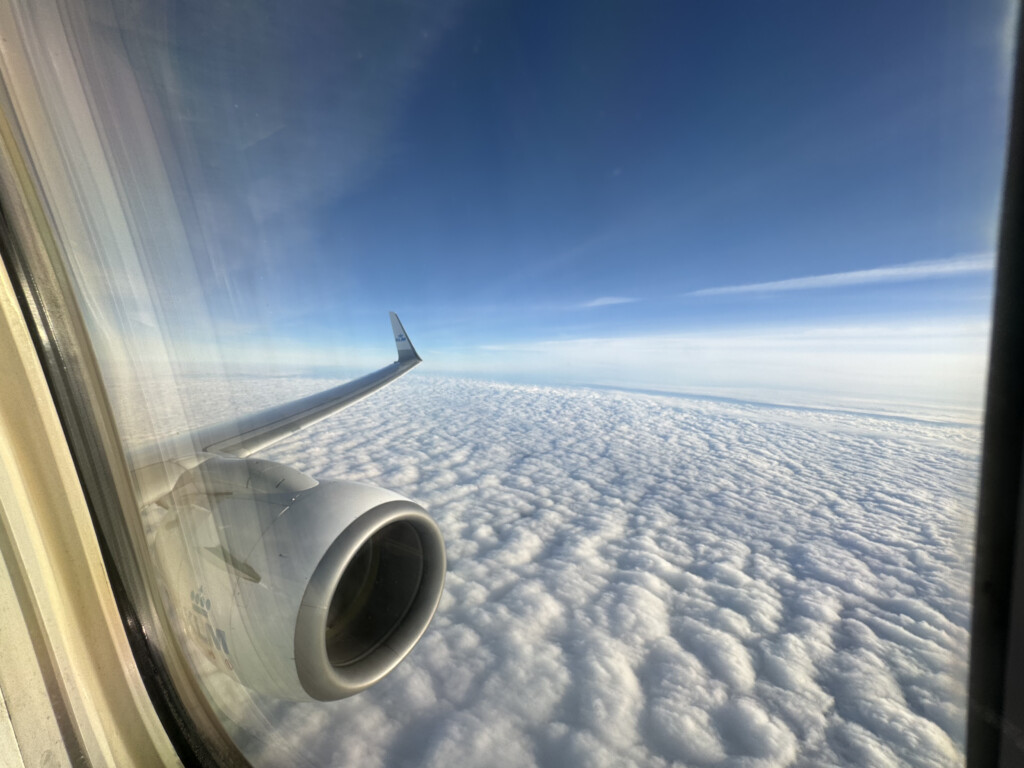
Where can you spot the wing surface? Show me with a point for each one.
(241, 437)
(245, 435)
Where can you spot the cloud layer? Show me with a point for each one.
(920, 367)
(653, 581)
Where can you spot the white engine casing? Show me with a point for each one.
(300, 589)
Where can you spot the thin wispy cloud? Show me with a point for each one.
(606, 301)
(917, 270)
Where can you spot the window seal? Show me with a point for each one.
(995, 720)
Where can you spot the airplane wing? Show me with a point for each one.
(241, 437)
(245, 435)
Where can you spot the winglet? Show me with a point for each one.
(406, 351)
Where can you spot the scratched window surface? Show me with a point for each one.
(702, 296)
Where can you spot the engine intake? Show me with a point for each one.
(369, 600)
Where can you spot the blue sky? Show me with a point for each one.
(513, 174)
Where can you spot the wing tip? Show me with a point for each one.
(406, 351)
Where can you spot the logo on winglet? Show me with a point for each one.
(401, 337)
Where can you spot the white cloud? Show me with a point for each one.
(907, 366)
(606, 301)
(638, 580)
(917, 270)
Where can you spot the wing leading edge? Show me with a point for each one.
(243, 436)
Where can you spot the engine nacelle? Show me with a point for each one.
(300, 589)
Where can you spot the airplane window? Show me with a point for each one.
(698, 300)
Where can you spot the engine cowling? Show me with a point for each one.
(300, 589)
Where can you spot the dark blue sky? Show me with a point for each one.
(515, 172)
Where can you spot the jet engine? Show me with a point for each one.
(300, 589)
